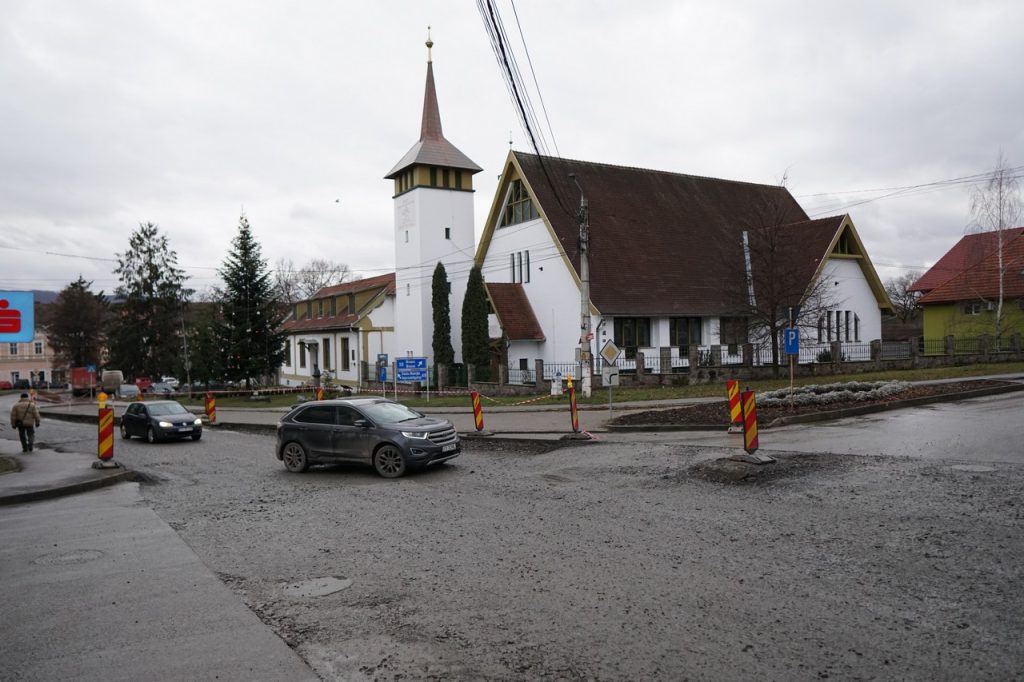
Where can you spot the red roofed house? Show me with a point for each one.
(961, 291)
(350, 323)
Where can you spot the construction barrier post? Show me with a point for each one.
(211, 407)
(478, 413)
(749, 422)
(732, 388)
(319, 392)
(572, 408)
(750, 437)
(105, 435)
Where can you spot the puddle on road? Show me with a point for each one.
(316, 587)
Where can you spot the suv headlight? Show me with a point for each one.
(165, 425)
(417, 435)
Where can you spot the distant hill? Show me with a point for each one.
(44, 296)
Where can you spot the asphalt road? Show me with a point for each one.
(613, 560)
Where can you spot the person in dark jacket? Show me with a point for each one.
(25, 418)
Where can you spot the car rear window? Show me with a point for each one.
(318, 414)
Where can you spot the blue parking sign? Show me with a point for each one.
(17, 317)
(791, 340)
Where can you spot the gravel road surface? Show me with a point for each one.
(609, 561)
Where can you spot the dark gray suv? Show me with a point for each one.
(387, 435)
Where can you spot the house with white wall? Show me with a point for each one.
(670, 262)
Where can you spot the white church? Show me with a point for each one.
(657, 274)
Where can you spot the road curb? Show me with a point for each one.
(50, 492)
(829, 415)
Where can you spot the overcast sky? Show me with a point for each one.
(186, 113)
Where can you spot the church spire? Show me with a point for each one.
(432, 149)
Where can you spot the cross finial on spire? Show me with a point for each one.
(430, 44)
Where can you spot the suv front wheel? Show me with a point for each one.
(389, 462)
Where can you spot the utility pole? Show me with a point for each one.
(585, 334)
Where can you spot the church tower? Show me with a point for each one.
(433, 223)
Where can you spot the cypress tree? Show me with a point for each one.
(444, 353)
(475, 341)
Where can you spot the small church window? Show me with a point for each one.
(445, 177)
(447, 233)
(433, 177)
(458, 179)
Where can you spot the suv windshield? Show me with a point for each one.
(389, 413)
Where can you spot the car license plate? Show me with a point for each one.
(448, 448)
(185, 428)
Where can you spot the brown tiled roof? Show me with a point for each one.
(352, 287)
(342, 319)
(967, 252)
(515, 315)
(432, 149)
(981, 280)
(801, 247)
(661, 243)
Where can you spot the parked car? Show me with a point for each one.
(159, 420)
(170, 381)
(128, 392)
(143, 383)
(160, 388)
(6, 385)
(382, 433)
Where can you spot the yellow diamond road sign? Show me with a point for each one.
(610, 352)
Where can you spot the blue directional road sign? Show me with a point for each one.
(791, 340)
(17, 317)
(411, 369)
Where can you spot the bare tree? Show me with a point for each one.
(295, 284)
(903, 300)
(996, 207)
(773, 272)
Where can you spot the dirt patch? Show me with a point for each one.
(8, 465)
(732, 472)
(717, 413)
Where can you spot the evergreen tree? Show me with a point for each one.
(75, 324)
(444, 354)
(249, 330)
(475, 340)
(206, 362)
(145, 337)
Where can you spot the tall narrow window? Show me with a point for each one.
(458, 179)
(447, 233)
(846, 326)
(821, 328)
(433, 177)
(319, 308)
(828, 326)
(302, 355)
(445, 177)
(527, 256)
(519, 266)
(408, 289)
(344, 355)
(327, 353)
(856, 327)
(407, 236)
(334, 306)
(351, 304)
(839, 325)
(512, 267)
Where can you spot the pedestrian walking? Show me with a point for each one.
(25, 418)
